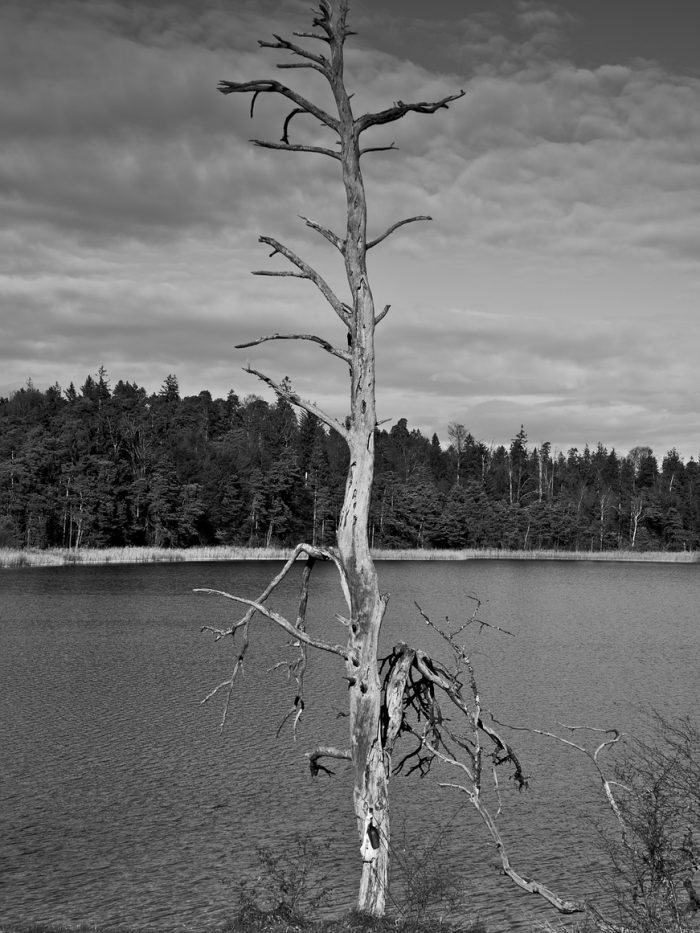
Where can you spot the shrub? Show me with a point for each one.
(656, 859)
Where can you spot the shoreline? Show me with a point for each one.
(11, 558)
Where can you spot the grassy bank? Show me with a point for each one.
(60, 557)
(275, 923)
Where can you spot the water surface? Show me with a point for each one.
(122, 805)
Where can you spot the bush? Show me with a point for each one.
(291, 887)
(290, 884)
(429, 886)
(656, 858)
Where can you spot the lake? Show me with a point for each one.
(122, 805)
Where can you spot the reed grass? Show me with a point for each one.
(61, 557)
(683, 557)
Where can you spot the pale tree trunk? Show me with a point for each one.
(367, 606)
(636, 509)
(366, 613)
(604, 501)
(458, 434)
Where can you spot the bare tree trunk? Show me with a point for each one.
(510, 480)
(636, 509)
(66, 510)
(366, 613)
(367, 606)
(79, 524)
(458, 435)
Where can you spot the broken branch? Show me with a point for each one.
(311, 274)
(391, 148)
(400, 223)
(295, 399)
(318, 60)
(328, 347)
(310, 35)
(400, 109)
(276, 87)
(289, 147)
(279, 620)
(326, 751)
(333, 238)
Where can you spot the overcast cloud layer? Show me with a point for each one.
(557, 286)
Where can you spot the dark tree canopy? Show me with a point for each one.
(115, 466)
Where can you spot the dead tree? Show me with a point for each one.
(365, 604)
(381, 701)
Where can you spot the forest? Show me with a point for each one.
(113, 466)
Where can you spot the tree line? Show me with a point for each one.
(109, 466)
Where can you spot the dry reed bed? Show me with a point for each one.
(59, 557)
(684, 557)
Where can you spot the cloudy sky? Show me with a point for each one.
(557, 287)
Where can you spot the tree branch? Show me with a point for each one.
(394, 690)
(238, 667)
(244, 623)
(400, 109)
(284, 65)
(333, 238)
(382, 314)
(265, 86)
(326, 751)
(432, 739)
(320, 553)
(289, 147)
(310, 274)
(298, 668)
(328, 347)
(614, 736)
(310, 35)
(391, 148)
(279, 620)
(531, 886)
(288, 120)
(279, 274)
(324, 20)
(400, 223)
(301, 403)
(311, 550)
(319, 61)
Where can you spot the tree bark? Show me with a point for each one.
(367, 605)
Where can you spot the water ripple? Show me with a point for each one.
(121, 805)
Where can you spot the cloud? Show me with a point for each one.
(116, 126)
(556, 285)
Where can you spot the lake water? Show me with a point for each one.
(121, 805)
